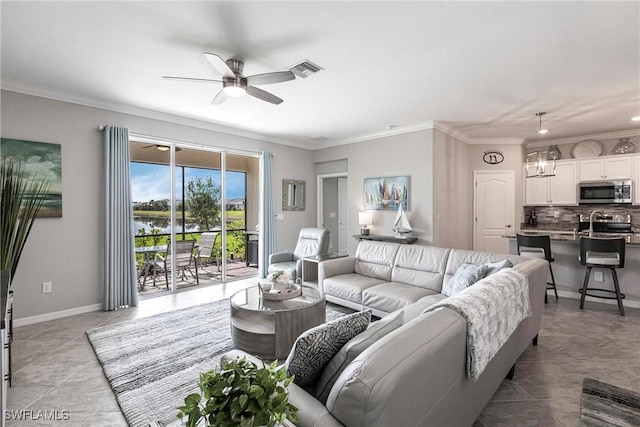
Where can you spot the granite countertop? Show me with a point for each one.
(570, 236)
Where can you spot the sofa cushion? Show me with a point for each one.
(374, 259)
(392, 296)
(349, 286)
(315, 347)
(494, 267)
(458, 257)
(352, 349)
(419, 265)
(466, 275)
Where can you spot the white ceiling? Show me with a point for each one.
(483, 68)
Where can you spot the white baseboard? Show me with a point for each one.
(56, 315)
(577, 295)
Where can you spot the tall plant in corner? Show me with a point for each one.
(21, 198)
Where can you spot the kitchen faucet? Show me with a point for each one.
(591, 222)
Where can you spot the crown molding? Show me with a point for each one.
(574, 139)
(451, 131)
(496, 141)
(10, 86)
(399, 130)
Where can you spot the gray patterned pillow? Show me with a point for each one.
(494, 267)
(466, 275)
(352, 349)
(315, 347)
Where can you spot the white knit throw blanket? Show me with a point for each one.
(493, 308)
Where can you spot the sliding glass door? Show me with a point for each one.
(197, 234)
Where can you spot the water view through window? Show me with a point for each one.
(197, 194)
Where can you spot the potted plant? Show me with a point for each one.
(241, 394)
(20, 201)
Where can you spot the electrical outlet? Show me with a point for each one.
(599, 276)
(556, 214)
(46, 287)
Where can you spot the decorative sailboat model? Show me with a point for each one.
(401, 225)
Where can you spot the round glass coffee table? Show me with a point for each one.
(267, 328)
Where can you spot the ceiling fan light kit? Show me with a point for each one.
(234, 87)
(235, 84)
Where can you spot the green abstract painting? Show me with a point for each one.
(43, 160)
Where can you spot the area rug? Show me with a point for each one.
(604, 404)
(154, 362)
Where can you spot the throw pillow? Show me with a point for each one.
(352, 349)
(315, 347)
(466, 275)
(494, 267)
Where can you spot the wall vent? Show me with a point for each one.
(304, 68)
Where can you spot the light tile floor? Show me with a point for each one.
(55, 367)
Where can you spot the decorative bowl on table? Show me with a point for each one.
(280, 293)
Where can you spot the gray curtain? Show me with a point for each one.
(120, 282)
(267, 244)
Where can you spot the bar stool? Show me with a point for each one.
(538, 247)
(602, 253)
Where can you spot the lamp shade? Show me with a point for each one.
(365, 218)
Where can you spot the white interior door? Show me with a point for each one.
(494, 210)
(342, 216)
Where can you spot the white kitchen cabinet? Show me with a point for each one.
(558, 190)
(611, 167)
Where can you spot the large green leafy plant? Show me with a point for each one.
(241, 394)
(21, 198)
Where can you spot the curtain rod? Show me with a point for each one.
(185, 144)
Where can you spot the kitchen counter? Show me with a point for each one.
(569, 274)
(571, 237)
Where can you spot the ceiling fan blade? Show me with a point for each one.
(270, 78)
(264, 95)
(219, 64)
(192, 79)
(220, 98)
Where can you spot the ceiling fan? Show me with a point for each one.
(235, 84)
(160, 147)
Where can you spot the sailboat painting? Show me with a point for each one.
(386, 193)
(401, 224)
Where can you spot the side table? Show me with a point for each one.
(310, 267)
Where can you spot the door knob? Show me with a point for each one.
(508, 225)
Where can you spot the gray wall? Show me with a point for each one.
(67, 250)
(453, 197)
(407, 154)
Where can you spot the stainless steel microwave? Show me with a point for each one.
(601, 192)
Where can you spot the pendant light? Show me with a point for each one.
(538, 163)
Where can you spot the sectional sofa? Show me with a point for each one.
(417, 374)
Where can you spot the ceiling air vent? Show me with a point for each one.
(304, 68)
(320, 139)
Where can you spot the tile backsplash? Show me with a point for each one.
(568, 215)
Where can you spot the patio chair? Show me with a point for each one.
(206, 250)
(184, 258)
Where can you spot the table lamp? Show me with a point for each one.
(364, 219)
